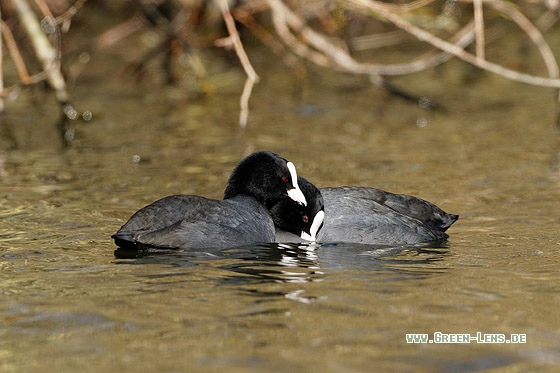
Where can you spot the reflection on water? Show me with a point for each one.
(301, 262)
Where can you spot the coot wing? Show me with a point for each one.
(415, 208)
(183, 222)
(373, 216)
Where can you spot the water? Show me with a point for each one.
(492, 156)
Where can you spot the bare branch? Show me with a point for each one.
(457, 51)
(479, 29)
(252, 76)
(43, 48)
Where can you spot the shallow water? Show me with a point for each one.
(492, 156)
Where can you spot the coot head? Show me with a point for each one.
(267, 177)
(304, 221)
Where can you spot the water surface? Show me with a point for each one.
(491, 156)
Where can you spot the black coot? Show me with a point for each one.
(259, 182)
(295, 218)
(373, 216)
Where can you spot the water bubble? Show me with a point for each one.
(13, 94)
(189, 79)
(421, 122)
(425, 103)
(136, 158)
(70, 112)
(84, 57)
(48, 25)
(69, 134)
(87, 115)
(185, 60)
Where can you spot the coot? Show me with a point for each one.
(259, 182)
(295, 218)
(373, 216)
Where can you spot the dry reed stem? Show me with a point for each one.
(316, 47)
(252, 76)
(459, 52)
(532, 32)
(295, 38)
(118, 32)
(14, 52)
(243, 16)
(46, 54)
(326, 53)
(479, 29)
(19, 63)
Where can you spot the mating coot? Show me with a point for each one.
(295, 218)
(258, 183)
(372, 216)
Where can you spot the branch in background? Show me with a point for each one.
(308, 32)
(307, 43)
(479, 29)
(252, 76)
(46, 54)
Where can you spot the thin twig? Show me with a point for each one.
(118, 32)
(46, 54)
(479, 29)
(14, 52)
(382, 7)
(328, 54)
(243, 16)
(70, 12)
(18, 62)
(252, 76)
(459, 52)
(333, 56)
(307, 43)
(532, 31)
(462, 38)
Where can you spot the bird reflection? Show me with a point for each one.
(275, 262)
(300, 263)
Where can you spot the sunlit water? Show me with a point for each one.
(68, 304)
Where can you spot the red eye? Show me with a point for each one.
(284, 179)
(305, 219)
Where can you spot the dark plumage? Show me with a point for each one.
(371, 216)
(296, 218)
(258, 182)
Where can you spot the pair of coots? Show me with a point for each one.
(265, 201)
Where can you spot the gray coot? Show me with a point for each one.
(372, 216)
(258, 183)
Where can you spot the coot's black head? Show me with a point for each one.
(304, 221)
(267, 177)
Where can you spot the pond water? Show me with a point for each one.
(492, 156)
